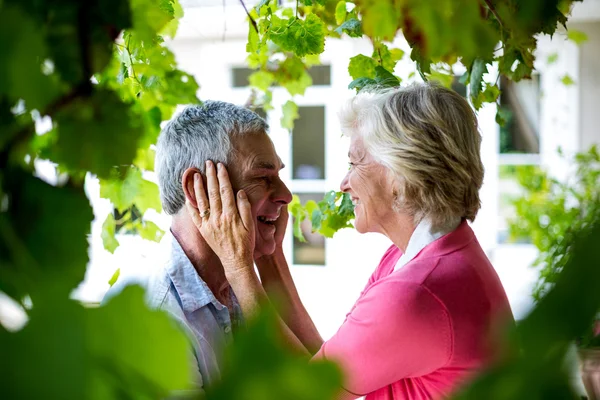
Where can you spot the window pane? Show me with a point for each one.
(308, 144)
(520, 104)
(320, 74)
(311, 252)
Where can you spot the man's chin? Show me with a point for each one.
(264, 249)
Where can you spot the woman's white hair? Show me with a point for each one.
(427, 136)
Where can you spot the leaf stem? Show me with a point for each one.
(249, 16)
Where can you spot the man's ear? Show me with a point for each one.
(187, 184)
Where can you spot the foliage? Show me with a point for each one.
(533, 361)
(273, 373)
(551, 211)
(327, 216)
(286, 38)
(101, 73)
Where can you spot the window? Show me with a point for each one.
(320, 74)
(308, 144)
(519, 146)
(311, 252)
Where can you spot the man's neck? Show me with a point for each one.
(205, 261)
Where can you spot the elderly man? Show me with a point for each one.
(190, 283)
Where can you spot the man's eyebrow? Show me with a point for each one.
(267, 165)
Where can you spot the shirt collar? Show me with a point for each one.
(423, 235)
(191, 289)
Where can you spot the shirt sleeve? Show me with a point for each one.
(396, 330)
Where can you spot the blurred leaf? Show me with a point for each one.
(96, 133)
(290, 114)
(361, 67)
(352, 27)
(552, 58)
(132, 189)
(340, 12)
(260, 366)
(298, 214)
(44, 236)
(23, 50)
(78, 353)
(360, 83)
(577, 37)
(261, 80)
(115, 276)
(150, 231)
(478, 69)
(108, 234)
(151, 16)
(567, 80)
(379, 19)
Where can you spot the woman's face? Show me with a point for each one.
(371, 188)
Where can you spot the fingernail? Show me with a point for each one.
(220, 166)
(196, 177)
(242, 194)
(208, 164)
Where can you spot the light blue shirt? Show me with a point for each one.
(172, 284)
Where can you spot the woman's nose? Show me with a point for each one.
(345, 185)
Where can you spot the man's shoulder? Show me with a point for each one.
(153, 277)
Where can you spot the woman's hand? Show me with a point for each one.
(224, 220)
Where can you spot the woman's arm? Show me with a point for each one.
(226, 224)
(278, 283)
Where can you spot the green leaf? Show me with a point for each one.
(115, 277)
(150, 231)
(261, 80)
(352, 27)
(23, 50)
(253, 41)
(108, 234)
(150, 17)
(478, 69)
(299, 36)
(490, 94)
(503, 115)
(380, 20)
(552, 58)
(43, 236)
(423, 63)
(298, 214)
(361, 67)
(289, 115)
(387, 58)
(577, 37)
(96, 133)
(360, 83)
(340, 12)
(567, 80)
(129, 190)
(274, 372)
(385, 78)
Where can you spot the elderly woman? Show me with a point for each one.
(424, 322)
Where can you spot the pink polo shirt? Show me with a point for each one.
(422, 330)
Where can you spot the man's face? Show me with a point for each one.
(255, 169)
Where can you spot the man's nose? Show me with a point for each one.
(345, 185)
(282, 194)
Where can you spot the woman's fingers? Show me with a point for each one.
(227, 198)
(193, 211)
(214, 196)
(201, 200)
(245, 211)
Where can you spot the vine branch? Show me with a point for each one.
(249, 16)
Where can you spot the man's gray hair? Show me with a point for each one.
(197, 134)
